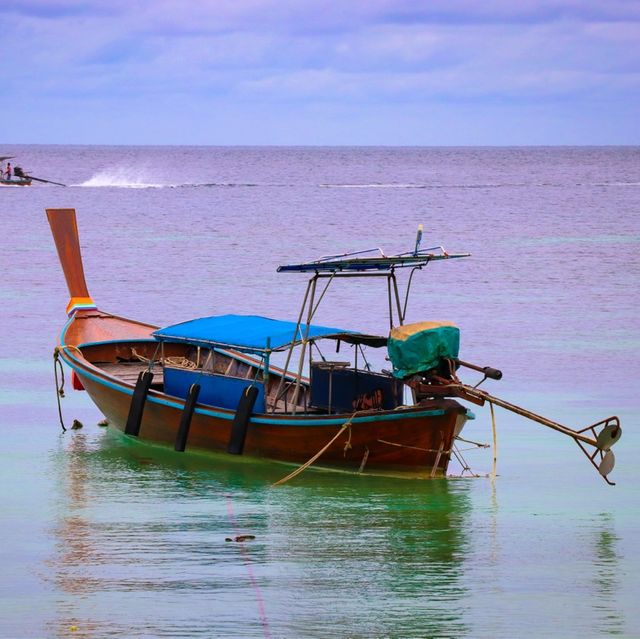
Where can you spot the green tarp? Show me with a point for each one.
(414, 348)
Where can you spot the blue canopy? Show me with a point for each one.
(243, 332)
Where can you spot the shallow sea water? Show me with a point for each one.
(104, 537)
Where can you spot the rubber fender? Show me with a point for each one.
(138, 401)
(185, 420)
(241, 420)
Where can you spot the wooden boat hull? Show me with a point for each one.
(420, 441)
(15, 182)
(105, 352)
(415, 440)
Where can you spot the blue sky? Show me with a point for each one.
(393, 72)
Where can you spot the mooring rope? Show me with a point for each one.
(461, 460)
(424, 450)
(347, 444)
(495, 439)
(57, 366)
(62, 347)
(470, 441)
(308, 463)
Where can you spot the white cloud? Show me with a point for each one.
(272, 53)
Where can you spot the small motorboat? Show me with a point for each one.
(17, 177)
(15, 181)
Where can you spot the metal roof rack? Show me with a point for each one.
(360, 261)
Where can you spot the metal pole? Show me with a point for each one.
(294, 399)
(406, 297)
(529, 415)
(395, 288)
(313, 312)
(286, 365)
(267, 356)
(390, 306)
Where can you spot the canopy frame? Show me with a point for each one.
(310, 306)
(273, 336)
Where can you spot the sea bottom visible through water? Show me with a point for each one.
(105, 536)
(132, 540)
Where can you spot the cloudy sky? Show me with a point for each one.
(406, 72)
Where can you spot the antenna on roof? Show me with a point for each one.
(418, 239)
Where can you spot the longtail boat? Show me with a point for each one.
(210, 384)
(18, 177)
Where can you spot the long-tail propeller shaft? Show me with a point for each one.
(595, 444)
(600, 442)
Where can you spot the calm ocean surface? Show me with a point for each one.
(102, 537)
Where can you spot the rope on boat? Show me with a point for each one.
(461, 460)
(306, 465)
(424, 450)
(470, 441)
(495, 440)
(57, 366)
(347, 444)
(69, 346)
(178, 361)
(137, 355)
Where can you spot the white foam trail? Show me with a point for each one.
(122, 177)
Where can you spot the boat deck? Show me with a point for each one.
(128, 372)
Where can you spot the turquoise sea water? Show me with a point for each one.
(104, 537)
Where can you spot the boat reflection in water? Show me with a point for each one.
(141, 548)
(606, 560)
(141, 551)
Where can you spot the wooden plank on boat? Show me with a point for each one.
(128, 372)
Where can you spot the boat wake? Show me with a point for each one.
(375, 185)
(379, 185)
(228, 184)
(419, 186)
(122, 178)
